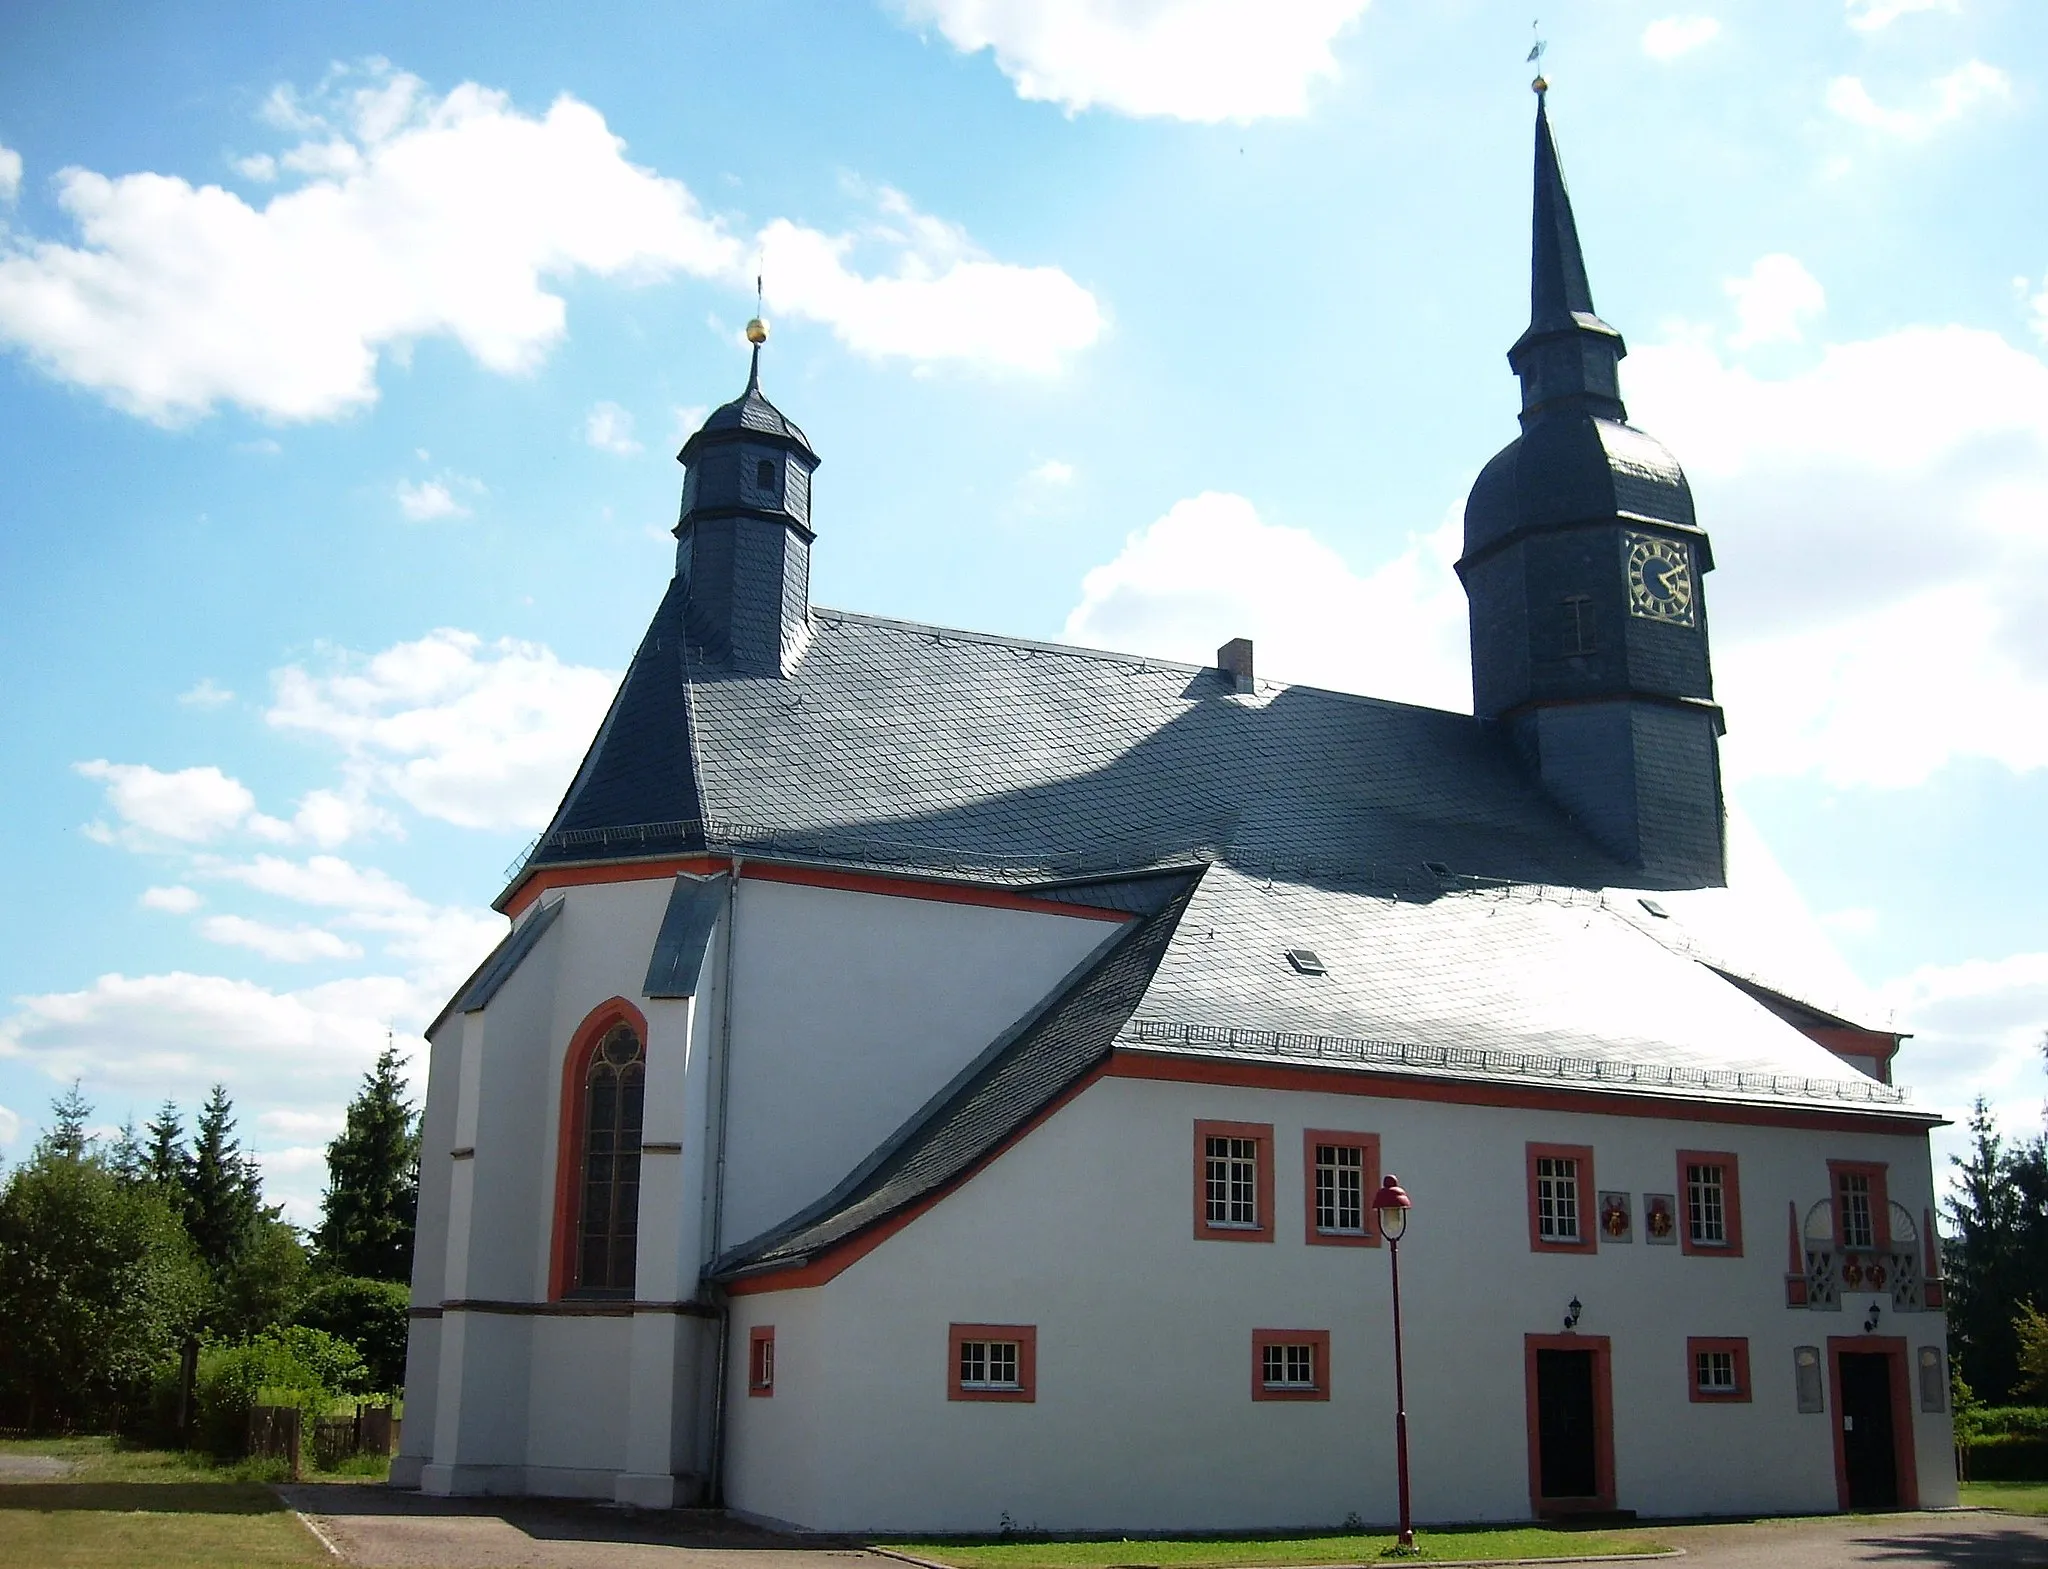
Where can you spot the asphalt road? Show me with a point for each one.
(1960, 1540)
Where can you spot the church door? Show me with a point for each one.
(1869, 1458)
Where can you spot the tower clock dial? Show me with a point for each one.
(1660, 581)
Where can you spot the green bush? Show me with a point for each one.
(294, 1366)
(2007, 1457)
(371, 1315)
(2024, 1421)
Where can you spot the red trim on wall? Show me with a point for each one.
(1795, 1258)
(1739, 1346)
(1026, 1336)
(1930, 1268)
(1368, 1144)
(569, 1133)
(1731, 1205)
(761, 1361)
(1588, 1196)
(1894, 1347)
(1127, 1064)
(1319, 1359)
(552, 877)
(1843, 1040)
(1262, 1134)
(1880, 1199)
(1603, 1423)
(832, 1261)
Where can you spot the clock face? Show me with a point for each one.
(1660, 584)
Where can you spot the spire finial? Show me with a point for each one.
(1538, 44)
(757, 329)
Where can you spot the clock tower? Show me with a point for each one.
(1583, 569)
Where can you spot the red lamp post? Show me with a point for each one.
(1390, 1208)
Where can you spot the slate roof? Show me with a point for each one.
(750, 411)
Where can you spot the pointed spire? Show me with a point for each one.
(1557, 286)
(1568, 356)
(754, 375)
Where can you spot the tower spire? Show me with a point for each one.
(1568, 354)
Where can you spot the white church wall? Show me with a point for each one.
(1143, 1417)
(581, 1385)
(430, 1249)
(851, 1010)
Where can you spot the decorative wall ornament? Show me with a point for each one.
(1660, 1218)
(1616, 1223)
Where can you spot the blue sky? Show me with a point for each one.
(344, 350)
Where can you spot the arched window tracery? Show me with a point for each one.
(608, 1209)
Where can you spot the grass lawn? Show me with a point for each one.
(146, 1509)
(2020, 1498)
(1361, 1548)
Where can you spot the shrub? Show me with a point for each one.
(371, 1315)
(2007, 1457)
(294, 1366)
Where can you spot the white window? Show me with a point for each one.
(1231, 1174)
(1340, 1188)
(1288, 1366)
(1557, 1198)
(1714, 1372)
(1853, 1197)
(988, 1364)
(1706, 1205)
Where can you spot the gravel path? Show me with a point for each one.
(1961, 1540)
(32, 1468)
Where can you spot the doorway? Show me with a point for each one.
(1873, 1423)
(1571, 1441)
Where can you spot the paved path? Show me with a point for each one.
(32, 1468)
(1963, 1540)
(371, 1524)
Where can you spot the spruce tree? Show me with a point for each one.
(373, 1178)
(67, 1138)
(164, 1157)
(127, 1159)
(223, 1193)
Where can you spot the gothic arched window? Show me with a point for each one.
(614, 1096)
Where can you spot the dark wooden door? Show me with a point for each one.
(1869, 1456)
(1567, 1425)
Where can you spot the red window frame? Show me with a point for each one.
(1368, 1146)
(569, 1134)
(1736, 1346)
(1026, 1338)
(1318, 1340)
(1731, 1205)
(1262, 1196)
(1880, 1200)
(761, 1361)
(1589, 1198)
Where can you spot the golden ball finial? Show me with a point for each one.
(757, 331)
(1539, 87)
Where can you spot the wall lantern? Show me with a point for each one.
(1571, 1314)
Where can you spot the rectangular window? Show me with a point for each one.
(1854, 1190)
(1341, 1173)
(992, 1362)
(1560, 1183)
(1862, 1207)
(1719, 1369)
(1710, 1190)
(1290, 1364)
(1234, 1181)
(1578, 624)
(761, 1360)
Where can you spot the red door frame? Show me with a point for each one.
(1894, 1348)
(1603, 1423)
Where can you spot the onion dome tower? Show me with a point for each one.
(743, 542)
(1582, 569)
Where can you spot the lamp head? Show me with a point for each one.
(1390, 1206)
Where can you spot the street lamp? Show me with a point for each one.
(1390, 1208)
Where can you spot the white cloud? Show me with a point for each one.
(191, 806)
(484, 735)
(174, 900)
(1856, 921)
(1868, 16)
(321, 1125)
(1978, 1030)
(1671, 36)
(424, 501)
(410, 216)
(1212, 569)
(10, 174)
(1203, 60)
(207, 694)
(1773, 301)
(686, 422)
(945, 300)
(1955, 95)
(289, 944)
(1053, 471)
(325, 880)
(260, 167)
(609, 428)
(10, 1128)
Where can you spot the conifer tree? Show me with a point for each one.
(223, 1191)
(165, 1156)
(69, 1114)
(127, 1159)
(373, 1175)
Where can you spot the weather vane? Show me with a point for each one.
(1537, 47)
(757, 329)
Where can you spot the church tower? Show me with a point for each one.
(1582, 567)
(743, 542)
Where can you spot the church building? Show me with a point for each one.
(936, 1080)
